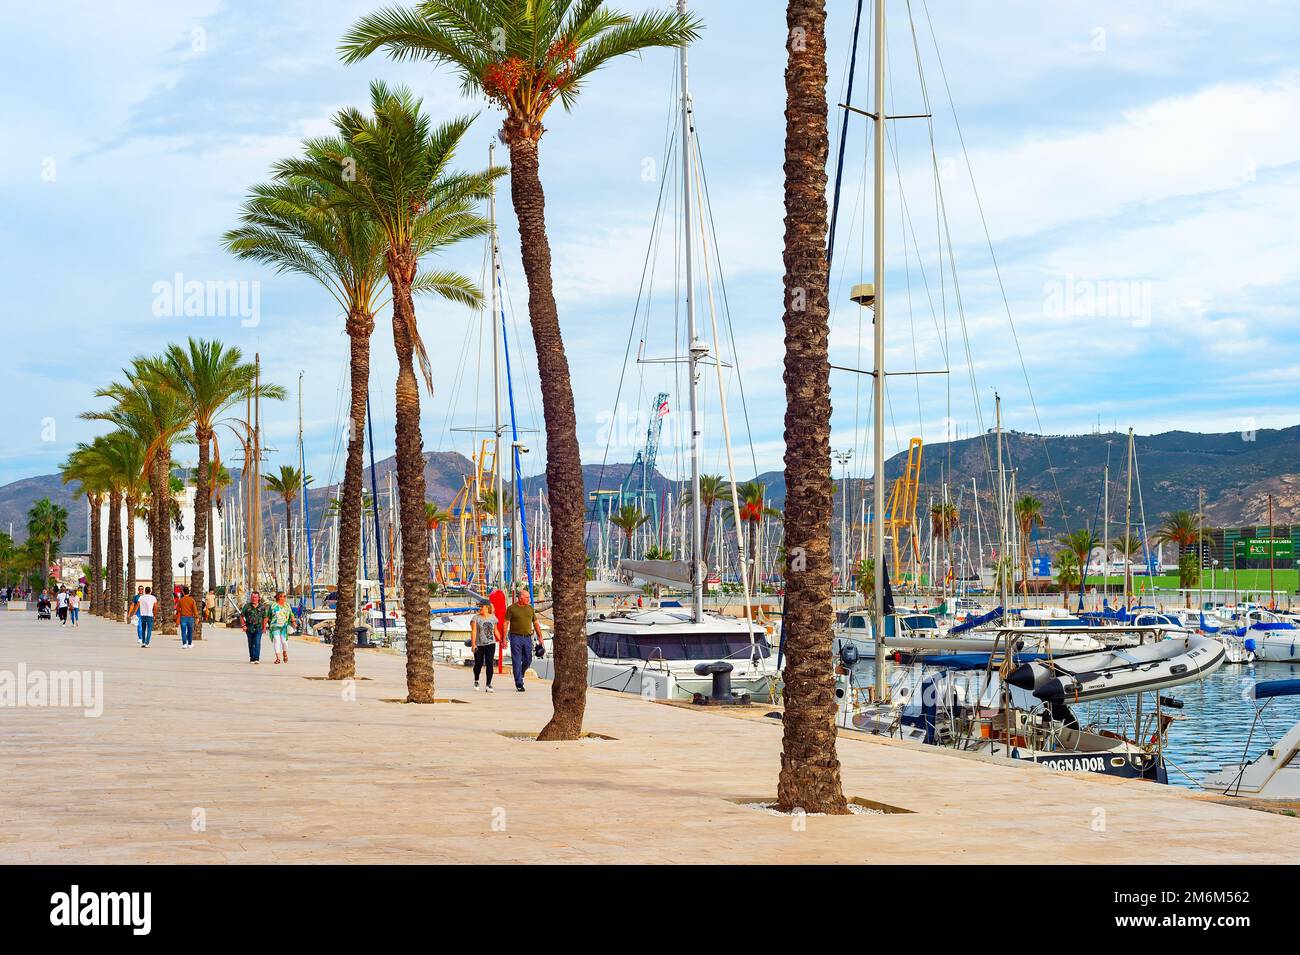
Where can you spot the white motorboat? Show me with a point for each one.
(1121, 671)
(664, 654)
(1274, 773)
(1270, 636)
(858, 632)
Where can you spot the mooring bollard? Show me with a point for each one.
(720, 670)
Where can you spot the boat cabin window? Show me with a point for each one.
(857, 622)
(677, 646)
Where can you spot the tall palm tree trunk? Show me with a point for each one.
(563, 459)
(160, 485)
(94, 597)
(125, 576)
(115, 609)
(212, 554)
(343, 653)
(410, 484)
(202, 506)
(810, 769)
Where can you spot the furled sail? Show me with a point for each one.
(669, 573)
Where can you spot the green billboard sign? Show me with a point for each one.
(1264, 548)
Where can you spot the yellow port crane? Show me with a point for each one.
(902, 511)
(460, 552)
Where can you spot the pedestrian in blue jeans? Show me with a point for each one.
(521, 622)
(133, 610)
(186, 610)
(144, 607)
(254, 616)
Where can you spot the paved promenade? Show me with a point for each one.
(201, 757)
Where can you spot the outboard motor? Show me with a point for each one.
(848, 654)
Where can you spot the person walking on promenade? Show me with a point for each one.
(280, 615)
(74, 607)
(133, 610)
(62, 601)
(253, 619)
(144, 607)
(210, 606)
(521, 621)
(483, 629)
(186, 610)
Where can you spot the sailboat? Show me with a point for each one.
(1009, 694)
(671, 652)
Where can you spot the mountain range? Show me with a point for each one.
(1237, 472)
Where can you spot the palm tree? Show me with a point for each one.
(524, 55)
(712, 487)
(944, 519)
(1067, 574)
(47, 523)
(629, 519)
(1081, 544)
(1183, 529)
(1029, 514)
(210, 378)
(85, 465)
(866, 572)
(155, 417)
(434, 516)
(287, 484)
(753, 509)
(396, 169)
(125, 458)
(810, 770)
(299, 225)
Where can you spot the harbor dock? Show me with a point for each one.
(200, 757)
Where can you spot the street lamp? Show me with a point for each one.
(843, 457)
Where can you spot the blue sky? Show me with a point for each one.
(1137, 167)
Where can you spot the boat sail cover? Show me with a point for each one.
(605, 588)
(669, 573)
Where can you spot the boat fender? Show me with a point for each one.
(1250, 644)
(848, 654)
(1029, 676)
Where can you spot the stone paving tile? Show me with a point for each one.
(285, 769)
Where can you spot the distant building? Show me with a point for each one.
(1252, 547)
(182, 542)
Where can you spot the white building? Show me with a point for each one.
(182, 543)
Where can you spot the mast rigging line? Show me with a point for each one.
(651, 256)
(997, 271)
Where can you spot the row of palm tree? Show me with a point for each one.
(181, 396)
(359, 211)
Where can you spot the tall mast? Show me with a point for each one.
(1105, 533)
(1003, 565)
(1200, 549)
(1128, 522)
(496, 385)
(256, 490)
(697, 350)
(878, 383)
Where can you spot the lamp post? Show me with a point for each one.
(843, 457)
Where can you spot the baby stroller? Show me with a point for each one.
(42, 609)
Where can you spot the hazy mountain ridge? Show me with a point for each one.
(1237, 471)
